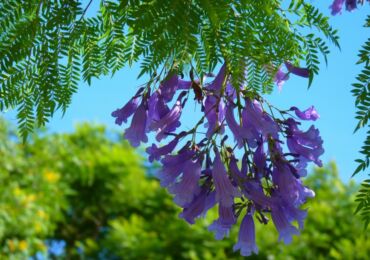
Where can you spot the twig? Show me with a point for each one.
(85, 10)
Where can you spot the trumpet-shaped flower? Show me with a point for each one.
(225, 191)
(308, 114)
(302, 72)
(247, 237)
(136, 132)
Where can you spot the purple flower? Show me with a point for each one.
(235, 173)
(301, 167)
(214, 110)
(235, 128)
(230, 91)
(256, 122)
(309, 114)
(302, 72)
(169, 87)
(226, 219)
(199, 206)
(244, 169)
(173, 166)
(253, 190)
(259, 160)
(155, 153)
(336, 7)
(289, 188)
(157, 109)
(306, 144)
(126, 111)
(184, 84)
(293, 213)
(225, 191)
(216, 84)
(351, 5)
(170, 121)
(136, 132)
(247, 237)
(284, 227)
(280, 78)
(214, 106)
(185, 189)
(303, 192)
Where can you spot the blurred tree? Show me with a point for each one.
(85, 195)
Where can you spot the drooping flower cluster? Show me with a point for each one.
(202, 170)
(337, 5)
(281, 76)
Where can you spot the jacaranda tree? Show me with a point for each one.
(48, 46)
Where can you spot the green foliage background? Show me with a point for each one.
(90, 189)
(361, 91)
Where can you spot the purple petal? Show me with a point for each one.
(280, 78)
(302, 72)
(256, 122)
(199, 206)
(155, 153)
(126, 111)
(254, 191)
(351, 5)
(214, 111)
(308, 114)
(168, 87)
(230, 91)
(136, 132)
(284, 227)
(247, 237)
(225, 191)
(236, 174)
(216, 84)
(173, 166)
(290, 188)
(235, 128)
(157, 109)
(306, 144)
(221, 226)
(336, 7)
(259, 160)
(184, 84)
(186, 189)
(169, 122)
(295, 214)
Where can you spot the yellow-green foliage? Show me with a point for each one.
(93, 191)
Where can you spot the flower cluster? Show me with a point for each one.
(337, 5)
(202, 170)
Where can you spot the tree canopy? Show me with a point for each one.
(48, 46)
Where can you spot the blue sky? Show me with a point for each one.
(330, 94)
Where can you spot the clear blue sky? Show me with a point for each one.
(330, 94)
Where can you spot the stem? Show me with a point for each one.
(85, 10)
